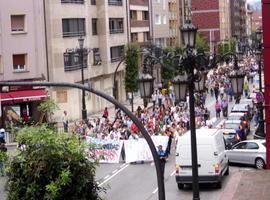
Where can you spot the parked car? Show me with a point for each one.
(212, 159)
(250, 102)
(240, 116)
(250, 152)
(243, 108)
(231, 137)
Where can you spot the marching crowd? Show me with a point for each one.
(165, 117)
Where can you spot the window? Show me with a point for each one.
(93, 2)
(133, 15)
(96, 57)
(164, 19)
(252, 145)
(19, 62)
(145, 15)
(17, 23)
(94, 26)
(116, 25)
(117, 53)
(72, 61)
(134, 37)
(73, 1)
(115, 2)
(73, 27)
(157, 19)
(241, 146)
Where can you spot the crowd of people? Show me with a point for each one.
(165, 116)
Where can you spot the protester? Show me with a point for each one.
(162, 157)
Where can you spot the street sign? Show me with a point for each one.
(259, 97)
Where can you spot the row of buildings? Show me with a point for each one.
(38, 37)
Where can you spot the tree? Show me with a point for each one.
(132, 60)
(226, 47)
(51, 166)
(201, 44)
(47, 107)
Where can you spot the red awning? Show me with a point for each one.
(22, 96)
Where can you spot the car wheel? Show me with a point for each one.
(219, 185)
(180, 186)
(227, 171)
(259, 163)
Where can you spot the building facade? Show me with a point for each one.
(174, 23)
(22, 58)
(103, 25)
(238, 19)
(160, 17)
(217, 26)
(256, 20)
(140, 28)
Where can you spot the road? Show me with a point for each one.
(139, 181)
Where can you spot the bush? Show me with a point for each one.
(51, 166)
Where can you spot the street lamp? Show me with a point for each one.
(81, 52)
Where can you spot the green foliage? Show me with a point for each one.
(132, 60)
(201, 44)
(51, 166)
(226, 47)
(48, 107)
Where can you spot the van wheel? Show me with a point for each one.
(259, 163)
(180, 186)
(227, 171)
(219, 185)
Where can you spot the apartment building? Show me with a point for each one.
(139, 21)
(249, 22)
(174, 23)
(160, 13)
(103, 25)
(22, 58)
(256, 20)
(238, 19)
(212, 17)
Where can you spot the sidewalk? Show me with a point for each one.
(248, 185)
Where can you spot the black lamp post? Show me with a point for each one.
(81, 52)
(260, 130)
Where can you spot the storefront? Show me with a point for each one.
(19, 105)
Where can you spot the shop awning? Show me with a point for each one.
(22, 96)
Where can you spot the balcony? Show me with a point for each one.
(73, 1)
(115, 2)
(115, 31)
(139, 23)
(139, 2)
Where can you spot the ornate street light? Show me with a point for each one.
(189, 32)
(180, 84)
(237, 80)
(200, 84)
(258, 35)
(146, 85)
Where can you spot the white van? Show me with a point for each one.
(212, 159)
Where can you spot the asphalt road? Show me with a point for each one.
(139, 182)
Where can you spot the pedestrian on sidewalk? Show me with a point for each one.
(224, 106)
(216, 90)
(2, 136)
(65, 121)
(246, 89)
(105, 113)
(218, 109)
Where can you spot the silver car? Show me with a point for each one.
(251, 152)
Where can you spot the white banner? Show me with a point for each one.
(106, 151)
(138, 150)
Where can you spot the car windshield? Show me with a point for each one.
(240, 107)
(234, 117)
(231, 126)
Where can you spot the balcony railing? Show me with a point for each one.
(73, 1)
(115, 2)
(139, 2)
(73, 34)
(139, 23)
(114, 31)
